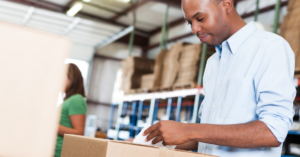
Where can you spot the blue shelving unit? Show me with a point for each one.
(294, 132)
(136, 102)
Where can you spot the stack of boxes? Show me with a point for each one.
(133, 68)
(153, 81)
(290, 29)
(171, 66)
(188, 66)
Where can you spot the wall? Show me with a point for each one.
(104, 72)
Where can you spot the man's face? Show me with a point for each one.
(206, 20)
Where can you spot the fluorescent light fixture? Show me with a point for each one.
(86, 0)
(75, 9)
(124, 1)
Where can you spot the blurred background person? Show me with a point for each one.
(73, 113)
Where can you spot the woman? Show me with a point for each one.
(72, 120)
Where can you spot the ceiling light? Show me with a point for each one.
(124, 1)
(75, 9)
(86, 0)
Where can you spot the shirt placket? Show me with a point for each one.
(225, 54)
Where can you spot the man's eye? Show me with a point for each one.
(200, 19)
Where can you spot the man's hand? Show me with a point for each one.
(170, 132)
(130, 140)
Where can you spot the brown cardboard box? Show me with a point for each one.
(133, 68)
(32, 74)
(158, 68)
(79, 146)
(171, 66)
(290, 29)
(147, 81)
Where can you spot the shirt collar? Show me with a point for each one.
(238, 38)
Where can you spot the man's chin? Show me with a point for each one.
(210, 45)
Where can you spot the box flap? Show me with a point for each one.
(32, 74)
(80, 146)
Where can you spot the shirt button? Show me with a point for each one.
(220, 46)
(219, 82)
(203, 152)
(213, 106)
(224, 60)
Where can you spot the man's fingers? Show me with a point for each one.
(152, 135)
(164, 143)
(150, 129)
(157, 139)
(130, 140)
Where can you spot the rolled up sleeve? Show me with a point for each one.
(275, 91)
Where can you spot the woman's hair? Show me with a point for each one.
(76, 81)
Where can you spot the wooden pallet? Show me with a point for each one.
(143, 90)
(138, 91)
(185, 86)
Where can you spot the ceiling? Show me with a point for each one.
(149, 14)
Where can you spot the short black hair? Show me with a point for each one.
(216, 1)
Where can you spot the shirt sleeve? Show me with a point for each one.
(275, 91)
(77, 105)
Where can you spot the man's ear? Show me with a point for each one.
(228, 5)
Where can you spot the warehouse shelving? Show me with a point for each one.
(137, 105)
(294, 133)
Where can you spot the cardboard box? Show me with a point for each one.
(147, 81)
(290, 30)
(133, 68)
(79, 146)
(32, 75)
(158, 68)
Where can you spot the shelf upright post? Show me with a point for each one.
(277, 13)
(178, 109)
(256, 11)
(164, 31)
(131, 39)
(132, 119)
(119, 119)
(168, 111)
(112, 114)
(155, 109)
(151, 110)
(199, 83)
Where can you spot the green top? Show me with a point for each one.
(74, 105)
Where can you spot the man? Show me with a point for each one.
(248, 105)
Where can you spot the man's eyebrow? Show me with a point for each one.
(196, 14)
(193, 16)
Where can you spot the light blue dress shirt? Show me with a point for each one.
(249, 78)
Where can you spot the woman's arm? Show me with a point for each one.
(78, 123)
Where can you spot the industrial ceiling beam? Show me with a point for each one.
(142, 35)
(265, 9)
(173, 3)
(40, 4)
(126, 11)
